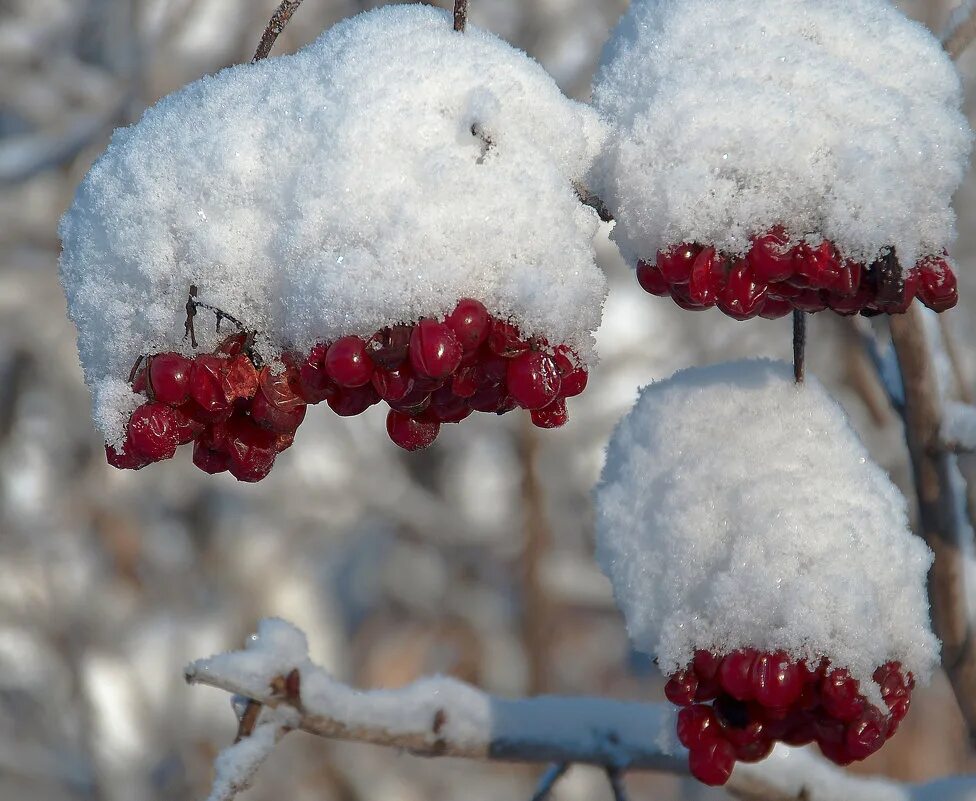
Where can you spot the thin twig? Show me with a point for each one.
(248, 720)
(191, 312)
(552, 775)
(460, 15)
(961, 30)
(276, 25)
(616, 779)
(799, 345)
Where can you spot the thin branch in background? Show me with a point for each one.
(552, 775)
(460, 15)
(588, 198)
(960, 31)
(276, 25)
(799, 345)
(963, 387)
(616, 779)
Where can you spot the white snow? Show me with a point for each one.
(380, 174)
(836, 118)
(959, 425)
(739, 509)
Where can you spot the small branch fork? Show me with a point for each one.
(192, 304)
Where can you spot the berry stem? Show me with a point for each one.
(276, 25)
(548, 781)
(192, 304)
(799, 344)
(460, 15)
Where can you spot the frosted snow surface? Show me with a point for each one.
(737, 509)
(836, 118)
(377, 176)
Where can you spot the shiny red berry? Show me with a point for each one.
(771, 256)
(697, 726)
(239, 378)
(573, 374)
(314, 382)
(347, 362)
(651, 279)
(435, 351)
(776, 680)
(388, 348)
(354, 400)
(735, 674)
(840, 695)
(154, 431)
(706, 664)
(681, 687)
(466, 381)
(207, 389)
(712, 763)
(707, 277)
(251, 449)
(393, 385)
(743, 295)
(208, 459)
(124, 457)
(411, 433)
(470, 323)
(505, 340)
(169, 376)
(555, 415)
(533, 380)
(938, 288)
(866, 734)
(675, 263)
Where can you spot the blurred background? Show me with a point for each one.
(472, 559)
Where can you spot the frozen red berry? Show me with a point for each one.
(651, 279)
(675, 263)
(435, 351)
(866, 734)
(388, 348)
(314, 381)
(938, 287)
(347, 362)
(697, 726)
(505, 340)
(743, 295)
(411, 433)
(841, 696)
(169, 377)
(209, 460)
(352, 401)
(154, 431)
(555, 415)
(470, 323)
(124, 457)
(771, 256)
(207, 389)
(681, 687)
(707, 277)
(533, 380)
(712, 762)
(251, 449)
(393, 385)
(239, 378)
(776, 680)
(735, 674)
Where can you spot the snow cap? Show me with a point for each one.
(837, 119)
(739, 509)
(385, 171)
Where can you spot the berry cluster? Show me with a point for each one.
(775, 277)
(240, 415)
(734, 708)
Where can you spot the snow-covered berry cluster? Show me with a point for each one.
(776, 277)
(241, 415)
(765, 156)
(736, 706)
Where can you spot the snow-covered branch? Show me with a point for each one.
(443, 717)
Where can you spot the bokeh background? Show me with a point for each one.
(473, 558)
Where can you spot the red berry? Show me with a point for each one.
(735, 674)
(771, 257)
(187, 427)
(354, 400)
(314, 382)
(774, 308)
(712, 763)
(706, 664)
(651, 279)
(776, 680)
(154, 431)
(251, 449)
(821, 267)
(233, 345)
(840, 695)
(681, 687)
(280, 420)
(466, 380)
(415, 402)
(347, 362)
(411, 433)
(208, 459)
(572, 373)
(555, 415)
(124, 458)
(434, 350)
(388, 348)
(679, 294)
(493, 398)
(675, 263)
(446, 407)
(207, 389)
(754, 751)
(810, 300)
(470, 323)
(393, 385)
(697, 726)
(938, 288)
(505, 340)
(707, 277)
(866, 734)
(140, 382)
(169, 376)
(240, 378)
(533, 380)
(743, 295)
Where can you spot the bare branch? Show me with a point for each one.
(460, 15)
(799, 345)
(961, 29)
(588, 198)
(548, 781)
(276, 25)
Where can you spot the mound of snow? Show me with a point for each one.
(838, 119)
(738, 509)
(382, 173)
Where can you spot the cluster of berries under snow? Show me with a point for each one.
(766, 564)
(772, 155)
(240, 415)
(341, 201)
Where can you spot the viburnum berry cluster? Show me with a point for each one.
(240, 415)
(776, 277)
(735, 707)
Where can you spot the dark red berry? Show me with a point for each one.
(388, 348)
(555, 415)
(411, 433)
(393, 385)
(712, 762)
(679, 294)
(446, 407)
(840, 695)
(208, 459)
(697, 726)
(239, 378)
(743, 295)
(707, 277)
(938, 288)
(434, 350)
(314, 382)
(169, 376)
(352, 401)
(533, 380)
(675, 263)
(470, 323)
(207, 389)
(347, 362)
(492, 398)
(466, 381)
(233, 345)
(735, 674)
(776, 680)
(866, 734)
(124, 457)
(505, 340)
(774, 308)
(154, 431)
(681, 687)
(573, 374)
(753, 751)
(251, 449)
(651, 279)
(771, 256)
(706, 664)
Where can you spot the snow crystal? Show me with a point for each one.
(377, 176)
(739, 509)
(836, 118)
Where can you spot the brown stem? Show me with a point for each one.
(276, 25)
(961, 33)
(799, 345)
(460, 15)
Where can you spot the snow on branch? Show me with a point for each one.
(440, 716)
